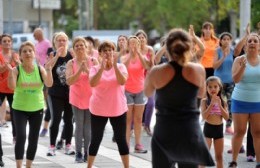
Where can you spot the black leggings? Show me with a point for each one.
(47, 116)
(20, 119)
(57, 106)
(9, 97)
(98, 124)
(249, 143)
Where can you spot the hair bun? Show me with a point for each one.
(180, 48)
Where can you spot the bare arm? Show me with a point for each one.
(159, 54)
(149, 87)
(197, 40)
(201, 50)
(238, 68)
(94, 80)
(12, 77)
(205, 110)
(202, 84)
(242, 42)
(145, 62)
(126, 59)
(47, 75)
(152, 59)
(71, 77)
(224, 111)
(218, 62)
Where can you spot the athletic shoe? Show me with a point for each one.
(2, 164)
(85, 158)
(232, 165)
(242, 150)
(78, 157)
(43, 132)
(229, 131)
(250, 158)
(69, 150)
(51, 151)
(59, 145)
(140, 149)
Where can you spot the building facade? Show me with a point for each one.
(23, 16)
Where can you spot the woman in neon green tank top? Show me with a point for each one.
(27, 81)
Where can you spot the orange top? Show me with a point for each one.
(210, 48)
(3, 76)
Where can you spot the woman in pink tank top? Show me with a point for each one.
(77, 72)
(136, 64)
(150, 55)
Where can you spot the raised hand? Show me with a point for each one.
(191, 31)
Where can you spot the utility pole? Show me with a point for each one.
(82, 14)
(1, 17)
(245, 15)
(39, 13)
(10, 24)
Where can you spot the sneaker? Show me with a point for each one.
(250, 158)
(78, 157)
(2, 164)
(59, 145)
(85, 158)
(43, 132)
(242, 150)
(229, 131)
(257, 166)
(140, 149)
(232, 164)
(69, 150)
(51, 151)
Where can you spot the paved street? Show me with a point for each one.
(108, 156)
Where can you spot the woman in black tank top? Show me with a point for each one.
(177, 134)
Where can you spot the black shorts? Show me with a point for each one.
(213, 131)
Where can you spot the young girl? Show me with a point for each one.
(214, 109)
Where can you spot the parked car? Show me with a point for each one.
(18, 39)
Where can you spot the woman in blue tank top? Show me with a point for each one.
(245, 100)
(222, 64)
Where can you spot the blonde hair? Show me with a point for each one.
(77, 39)
(61, 34)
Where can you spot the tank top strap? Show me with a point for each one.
(177, 68)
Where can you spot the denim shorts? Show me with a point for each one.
(135, 98)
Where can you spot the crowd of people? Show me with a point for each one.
(188, 78)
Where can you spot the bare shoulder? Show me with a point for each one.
(238, 58)
(196, 67)
(194, 73)
(158, 68)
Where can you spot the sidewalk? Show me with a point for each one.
(108, 156)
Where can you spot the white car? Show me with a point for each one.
(18, 39)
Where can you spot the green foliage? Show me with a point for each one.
(161, 15)
(255, 13)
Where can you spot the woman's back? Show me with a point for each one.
(179, 92)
